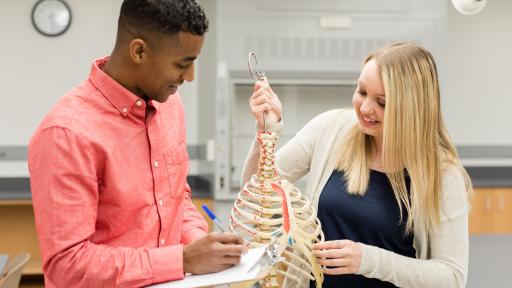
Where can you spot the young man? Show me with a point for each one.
(108, 164)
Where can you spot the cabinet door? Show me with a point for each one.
(481, 215)
(503, 211)
(18, 233)
(491, 211)
(198, 202)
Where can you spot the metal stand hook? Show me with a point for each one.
(258, 76)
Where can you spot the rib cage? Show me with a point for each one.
(268, 209)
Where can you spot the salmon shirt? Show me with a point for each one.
(108, 174)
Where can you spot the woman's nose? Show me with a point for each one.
(366, 107)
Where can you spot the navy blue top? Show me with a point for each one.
(372, 219)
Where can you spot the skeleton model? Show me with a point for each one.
(270, 209)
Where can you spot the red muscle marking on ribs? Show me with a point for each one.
(286, 216)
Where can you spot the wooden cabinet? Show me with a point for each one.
(18, 234)
(491, 211)
(198, 202)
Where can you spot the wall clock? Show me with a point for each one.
(51, 17)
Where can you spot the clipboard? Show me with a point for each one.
(254, 265)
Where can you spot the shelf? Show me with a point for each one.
(18, 168)
(20, 202)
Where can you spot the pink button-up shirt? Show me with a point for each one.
(108, 179)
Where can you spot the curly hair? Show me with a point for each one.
(165, 16)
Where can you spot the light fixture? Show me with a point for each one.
(469, 7)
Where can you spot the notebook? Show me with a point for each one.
(254, 265)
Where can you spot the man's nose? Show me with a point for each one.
(188, 75)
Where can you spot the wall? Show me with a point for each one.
(37, 70)
(476, 73)
(476, 100)
(205, 100)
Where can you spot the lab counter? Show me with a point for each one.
(19, 188)
(490, 176)
(202, 185)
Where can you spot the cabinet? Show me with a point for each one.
(198, 202)
(491, 211)
(17, 234)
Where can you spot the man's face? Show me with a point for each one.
(170, 62)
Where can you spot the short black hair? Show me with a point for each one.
(164, 16)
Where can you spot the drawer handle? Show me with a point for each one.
(488, 204)
(501, 203)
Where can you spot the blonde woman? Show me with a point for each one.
(385, 177)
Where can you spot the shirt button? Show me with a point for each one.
(161, 202)
(138, 103)
(125, 110)
(162, 241)
(156, 164)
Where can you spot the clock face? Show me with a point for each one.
(51, 17)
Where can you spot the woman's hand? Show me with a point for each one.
(342, 256)
(264, 100)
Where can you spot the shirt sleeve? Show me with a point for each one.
(64, 172)
(194, 224)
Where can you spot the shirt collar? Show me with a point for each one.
(125, 101)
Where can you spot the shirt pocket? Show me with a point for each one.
(176, 162)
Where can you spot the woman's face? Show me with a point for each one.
(369, 101)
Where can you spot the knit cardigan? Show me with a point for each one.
(441, 255)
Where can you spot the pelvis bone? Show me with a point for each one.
(270, 209)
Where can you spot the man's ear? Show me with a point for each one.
(138, 51)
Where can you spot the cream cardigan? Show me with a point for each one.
(441, 256)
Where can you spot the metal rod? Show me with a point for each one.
(258, 76)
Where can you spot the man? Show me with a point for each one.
(108, 164)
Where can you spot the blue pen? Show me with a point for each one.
(213, 217)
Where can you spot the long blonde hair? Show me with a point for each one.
(415, 136)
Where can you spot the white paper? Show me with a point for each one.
(3, 261)
(240, 272)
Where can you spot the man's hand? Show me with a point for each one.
(213, 253)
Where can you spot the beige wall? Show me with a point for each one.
(37, 70)
(477, 74)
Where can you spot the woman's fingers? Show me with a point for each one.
(264, 101)
(338, 262)
(330, 253)
(338, 256)
(333, 244)
(261, 83)
(258, 110)
(259, 99)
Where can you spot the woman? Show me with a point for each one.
(390, 192)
